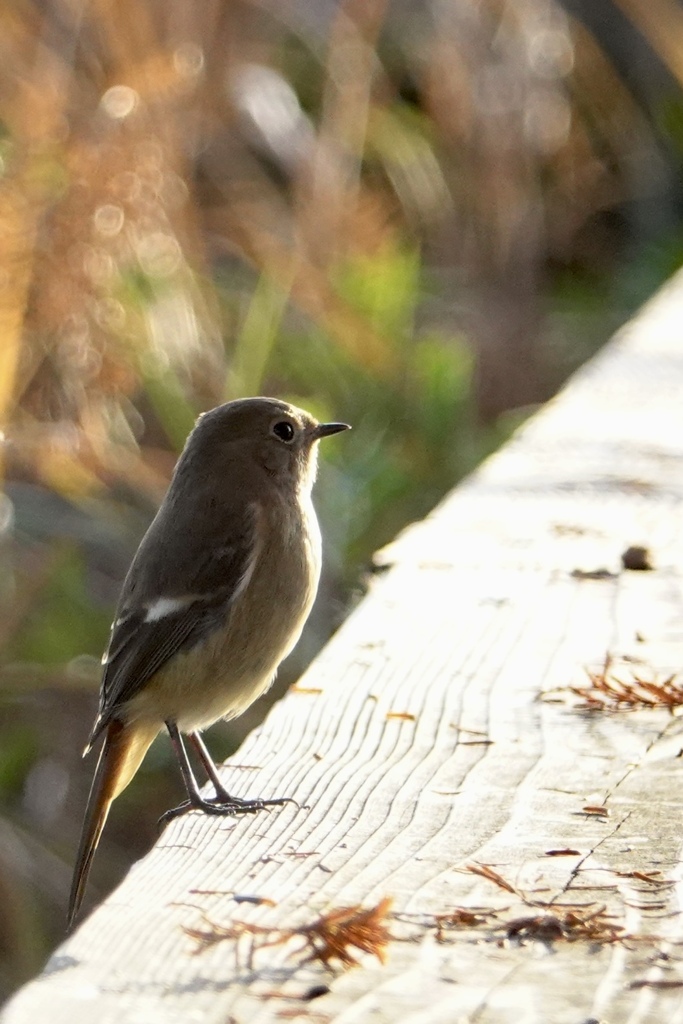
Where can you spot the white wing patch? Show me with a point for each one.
(164, 606)
(155, 610)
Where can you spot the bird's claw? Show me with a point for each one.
(219, 805)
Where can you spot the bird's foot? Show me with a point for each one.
(223, 804)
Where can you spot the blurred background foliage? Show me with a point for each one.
(418, 216)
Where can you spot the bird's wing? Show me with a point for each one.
(145, 636)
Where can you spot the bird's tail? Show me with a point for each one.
(120, 757)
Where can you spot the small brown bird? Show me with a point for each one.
(216, 596)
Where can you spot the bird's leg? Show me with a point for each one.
(222, 795)
(223, 803)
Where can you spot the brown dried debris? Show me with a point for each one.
(551, 924)
(660, 983)
(569, 923)
(551, 921)
(637, 558)
(653, 877)
(461, 917)
(330, 937)
(630, 691)
(484, 871)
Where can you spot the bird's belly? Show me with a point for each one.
(227, 671)
(230, 673)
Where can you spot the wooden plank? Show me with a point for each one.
(435, 735)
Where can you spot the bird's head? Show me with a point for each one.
(274, 435)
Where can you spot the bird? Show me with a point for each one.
(215, 598)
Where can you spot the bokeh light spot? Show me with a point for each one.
(120, 101)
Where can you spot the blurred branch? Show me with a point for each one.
(313, 292)
(33, 112)
(661, 23)
(257, 338)
(328, 195)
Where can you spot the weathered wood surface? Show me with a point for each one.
(428, 737)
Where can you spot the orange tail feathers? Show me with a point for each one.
(120, 757)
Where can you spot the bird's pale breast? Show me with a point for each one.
(222, 675)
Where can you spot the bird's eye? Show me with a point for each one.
(284, 430)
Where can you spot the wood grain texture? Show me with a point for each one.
(433, 734)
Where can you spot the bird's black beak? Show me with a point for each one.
(326, 429)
